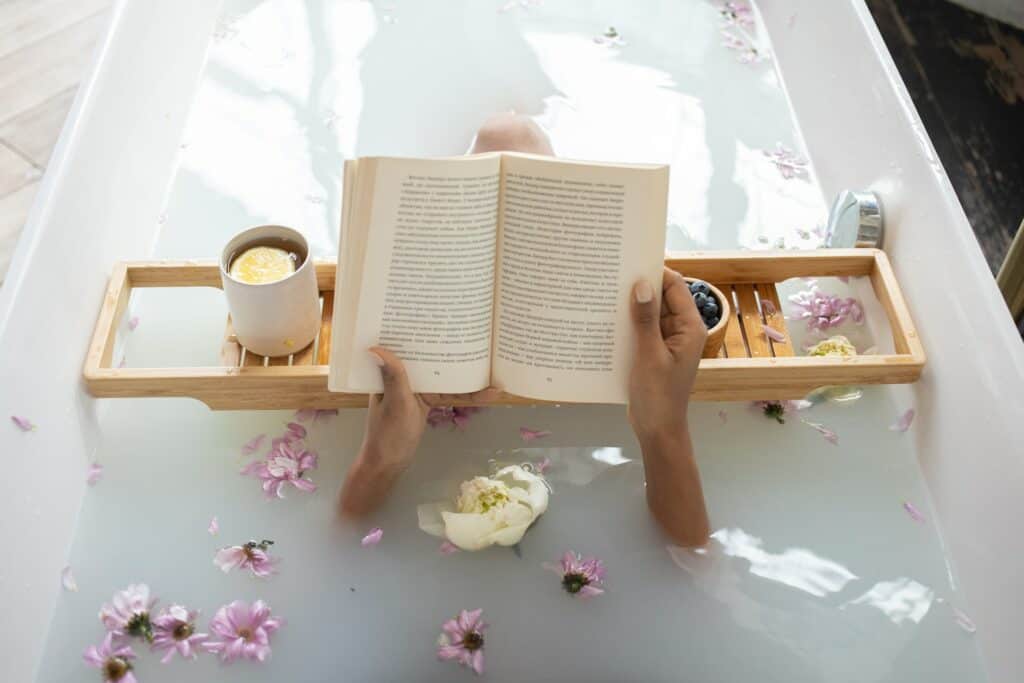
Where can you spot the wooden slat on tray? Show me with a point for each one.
(278, 361)
(775, 318)
(305, 356)
(757, 342)
(115, 302)
(230, 350)
(323, 349)
(734, 345)
(252, 360)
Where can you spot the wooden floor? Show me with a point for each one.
(45, 48)
(965, 73)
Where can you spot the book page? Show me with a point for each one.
(573, 239)
(428, 230)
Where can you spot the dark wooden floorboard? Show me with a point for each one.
(965, 73)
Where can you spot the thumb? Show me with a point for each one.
(392, 371)
(646, 316)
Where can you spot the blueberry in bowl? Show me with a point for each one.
(714, 311)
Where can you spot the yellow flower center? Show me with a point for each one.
(480, 495)
(833, 346)
(116, 668)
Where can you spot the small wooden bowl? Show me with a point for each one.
(716, 335)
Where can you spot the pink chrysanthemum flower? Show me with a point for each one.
(581, 576)
(458, 417)
(241, 631)
(823, 311)
(252, 556)
(113, 662)
(462, 639)
(127, 615)
(739, 13)
(285, 465)
(777, 409)
(789, 163)
(175, 631)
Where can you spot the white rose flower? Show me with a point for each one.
(488, 510)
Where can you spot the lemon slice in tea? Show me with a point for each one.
(260, 265)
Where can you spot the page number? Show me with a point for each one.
(437, 373)
(549, 379)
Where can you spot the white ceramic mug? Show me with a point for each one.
(274, 318)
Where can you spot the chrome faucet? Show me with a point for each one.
(855, 220)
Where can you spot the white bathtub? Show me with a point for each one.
(100, 201)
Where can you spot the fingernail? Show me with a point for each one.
(378, 361)
(643, 292)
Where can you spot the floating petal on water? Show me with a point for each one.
(67, 579)
(372, 538)
(904, 421)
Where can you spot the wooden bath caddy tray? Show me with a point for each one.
(749, 367)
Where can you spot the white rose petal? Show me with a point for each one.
(430, 519)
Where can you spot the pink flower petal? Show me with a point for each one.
(774, 334)
(447, 548)
(297, 430)
(962, 620)
(372, 538)
(123, 363)
(527, 434)
(305, 414)
(253, 444)
(723, 416)
(768, 307)
(214, 526)
(825, 432)
(914, 513)
(903, 423)
(94, 474)
(543, 465)
(23, 423)
(67, 579)
(478, 662)
(133, 322)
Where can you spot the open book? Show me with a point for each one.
(502, 269)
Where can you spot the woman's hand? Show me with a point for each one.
(395, 422)
(669, 343)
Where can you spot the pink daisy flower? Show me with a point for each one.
(737, 13)
(777, 409)
(112, 661)
(458, 417)
(580, 576)
(462, 639)
(175, 631)
(252, 556)
(242, 631)
(127, 614)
